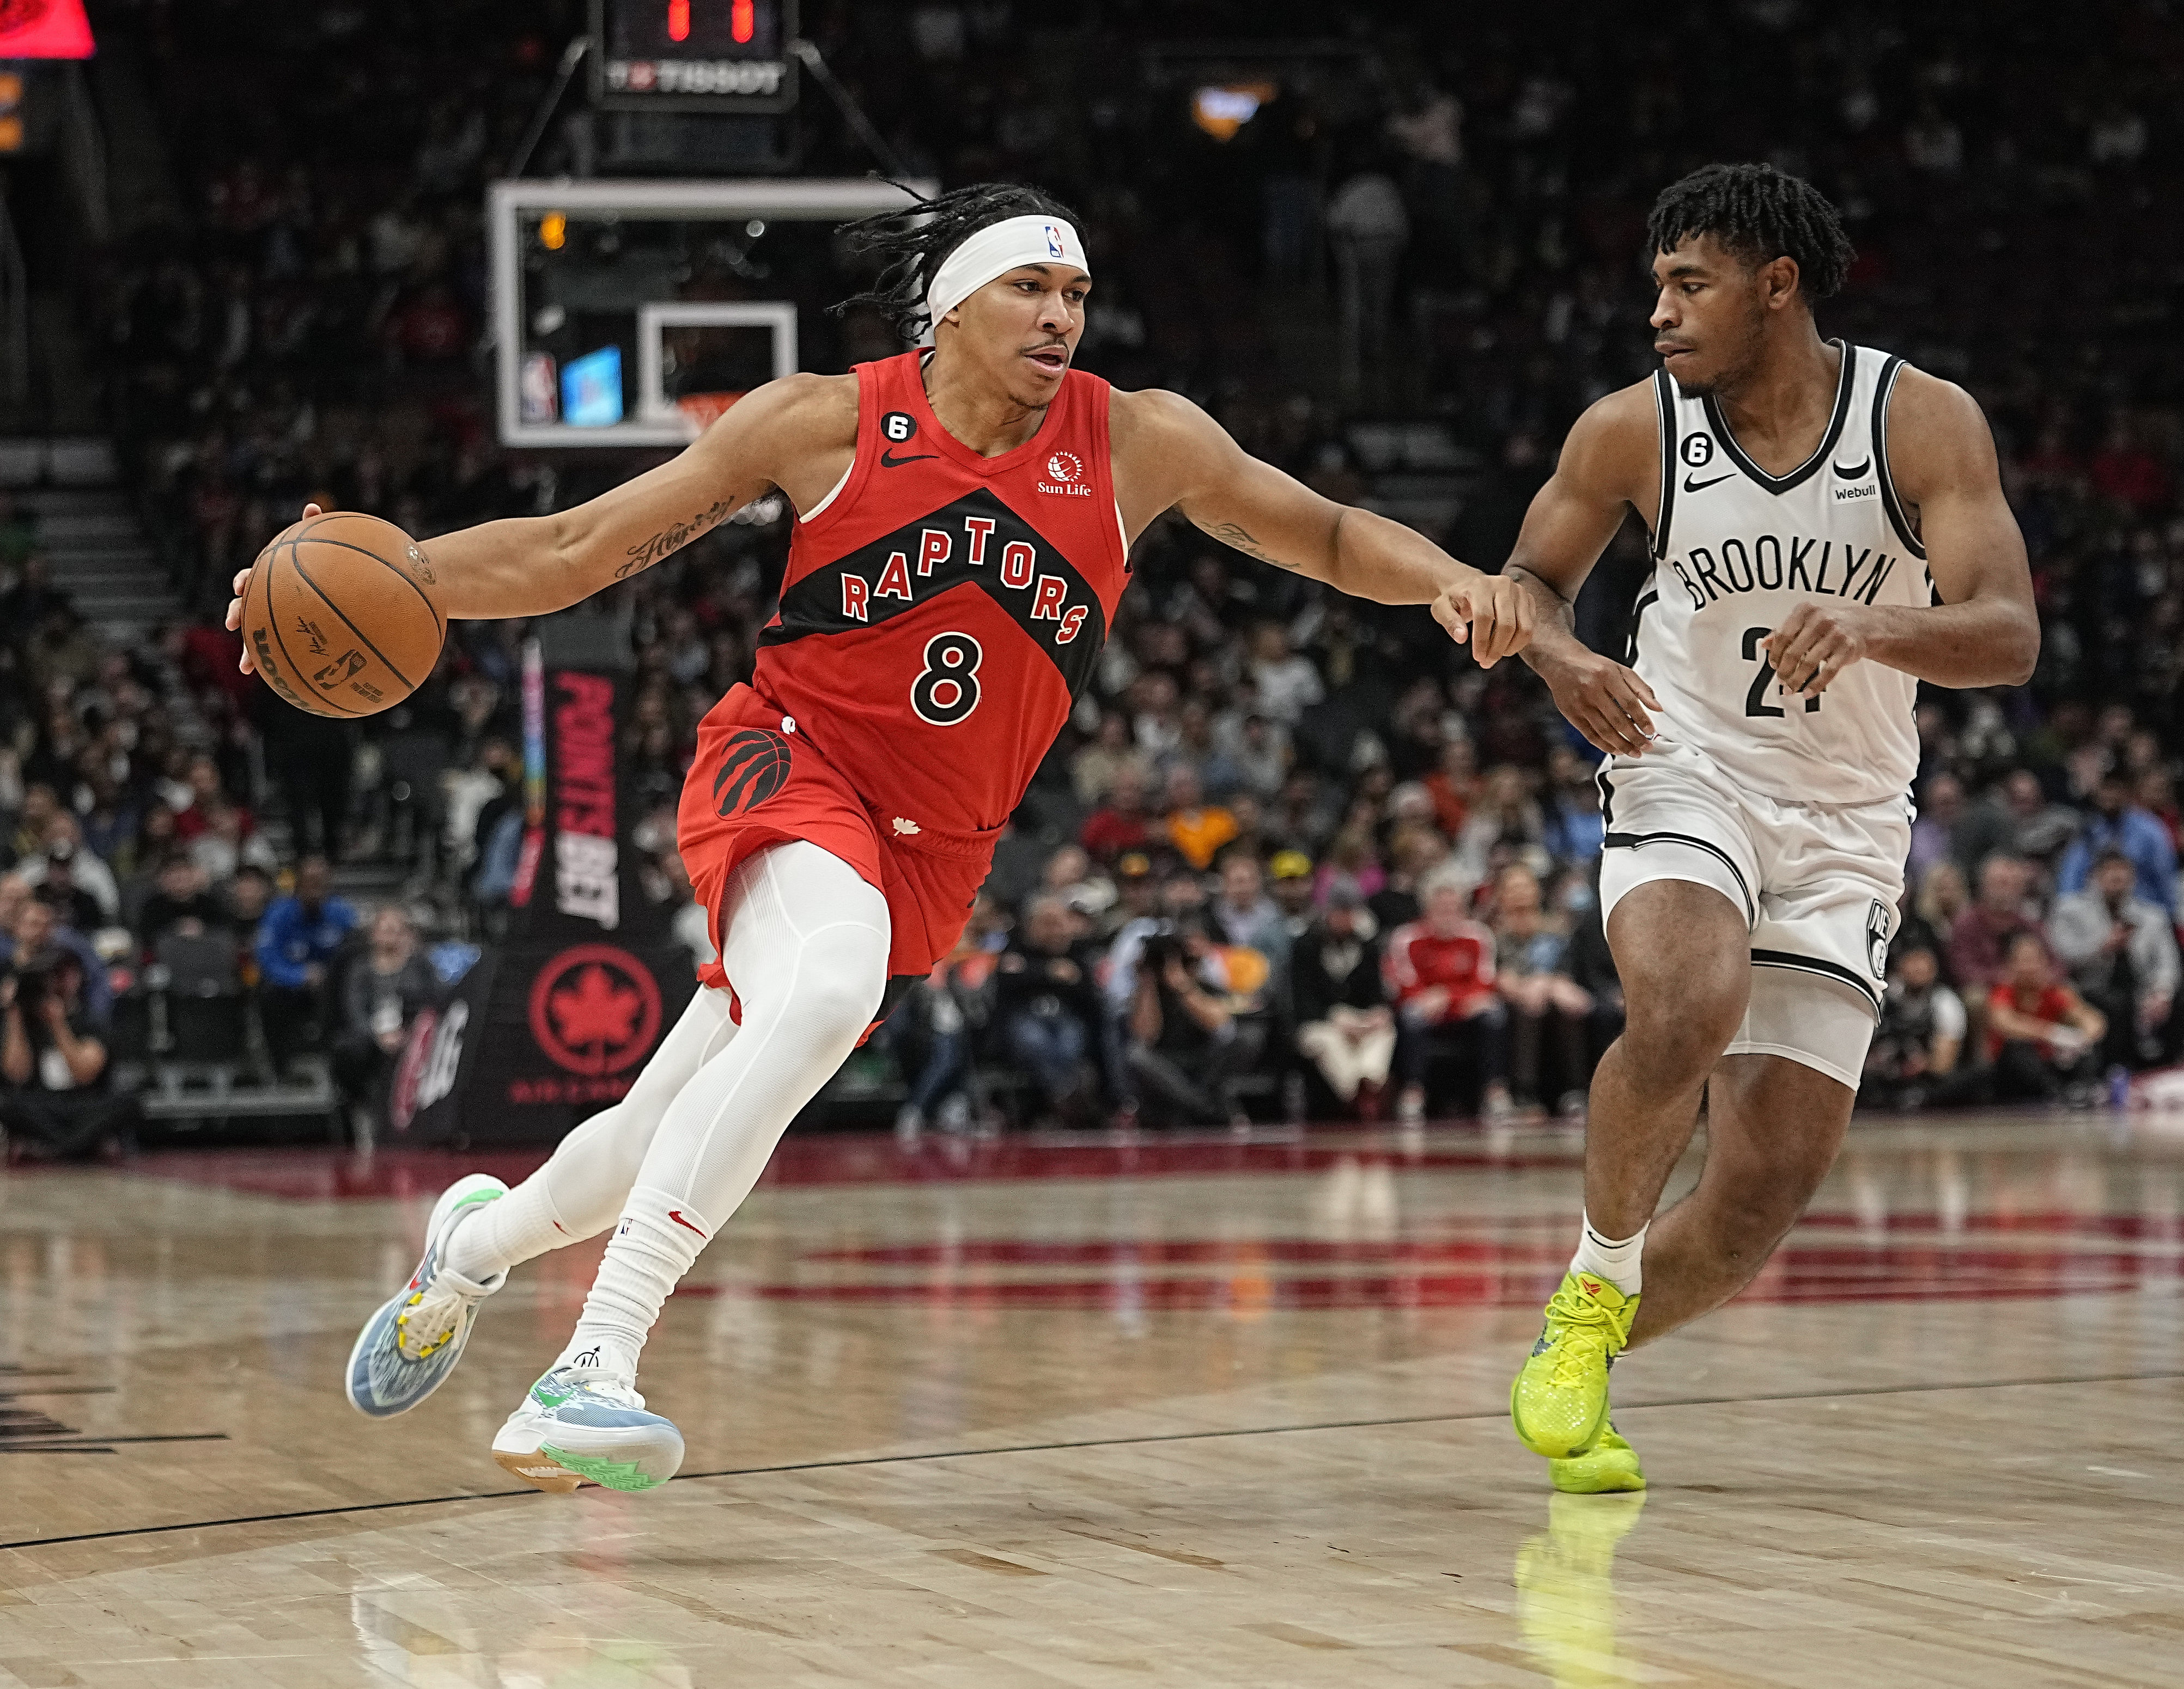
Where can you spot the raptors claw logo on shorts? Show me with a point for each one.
(754, 766)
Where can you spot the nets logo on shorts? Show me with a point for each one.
(1878, 921)
(754, 766)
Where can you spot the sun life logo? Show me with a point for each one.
(1067, 471)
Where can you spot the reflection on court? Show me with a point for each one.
(1188, 1412)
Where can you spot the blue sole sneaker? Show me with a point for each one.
(407, 1349)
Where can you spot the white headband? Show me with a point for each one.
(995, 250)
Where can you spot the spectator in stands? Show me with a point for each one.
(298, 941)
(2120, 951)
(1289, 881)
(1941, 818)
(2118, 824)
(382, 992)
(181, 903)
(1504, 821)
(1344, 1027)
(1047, 1009)
(65, 858)
(53, 1100)
(36, 930)
(1920, 1040)
(1137, 896)
(1196, 828)
(1548, 1012)
(73, 905)
(1121, 824)
(1181, 1045)
(1243, 913)
(1287, 682)
(2016, 819)
(2042, 1039)
(1414, 854)
(1980, 939)
(1574, 828)
(928, 1035)
(1094, 770)
(1439, 973)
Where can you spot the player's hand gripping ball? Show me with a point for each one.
(340, 614)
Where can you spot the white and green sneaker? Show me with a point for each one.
(581, 1423)
(407, 1349)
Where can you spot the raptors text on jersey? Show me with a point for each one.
(942, 610)
(1735, 549)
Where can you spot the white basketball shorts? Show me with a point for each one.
(1817, 883)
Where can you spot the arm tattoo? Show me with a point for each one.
(671, 538)
(1240, 539)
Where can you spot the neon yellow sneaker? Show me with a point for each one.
(1559, 1402)
(1609, 1467)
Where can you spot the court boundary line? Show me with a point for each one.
(1146, 1440)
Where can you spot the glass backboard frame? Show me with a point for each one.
(509, 204)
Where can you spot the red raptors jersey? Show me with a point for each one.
(942, 610)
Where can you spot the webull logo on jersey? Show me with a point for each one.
(1769, 563)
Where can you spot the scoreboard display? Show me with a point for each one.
(693, 55)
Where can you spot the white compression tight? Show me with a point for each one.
(805, 942)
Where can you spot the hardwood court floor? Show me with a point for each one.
(1183, 1414)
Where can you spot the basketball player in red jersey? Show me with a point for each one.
(966, 516)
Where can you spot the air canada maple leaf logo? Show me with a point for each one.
(594, 1009)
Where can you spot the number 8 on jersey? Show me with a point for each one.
(946, 690)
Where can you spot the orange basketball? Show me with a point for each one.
(339, 614)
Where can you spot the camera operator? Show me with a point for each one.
(53, 1100)
(1183, 1042)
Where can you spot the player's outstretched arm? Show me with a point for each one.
(1612, 455)
(1173, 454)
(1986, 631)
(531, 565)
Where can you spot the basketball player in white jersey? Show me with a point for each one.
(1829, 530)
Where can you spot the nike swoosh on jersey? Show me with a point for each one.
(889, 461)
(1855, 472)
(1696, 486)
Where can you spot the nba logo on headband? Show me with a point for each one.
(1053, 239)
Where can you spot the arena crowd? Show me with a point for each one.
(1294, 852)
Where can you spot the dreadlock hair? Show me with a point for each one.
(1759, 214)
(912, 243)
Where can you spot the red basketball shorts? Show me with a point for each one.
(759, 781)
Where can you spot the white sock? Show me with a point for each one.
(499, 1235)
(654, 1246)
(581, 1190)
(1614, 1259)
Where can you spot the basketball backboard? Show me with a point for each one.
(631, 313)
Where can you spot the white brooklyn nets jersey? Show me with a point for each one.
(1735, 550)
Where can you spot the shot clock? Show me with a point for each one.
(693, 55)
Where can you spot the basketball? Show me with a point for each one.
(339, 614)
